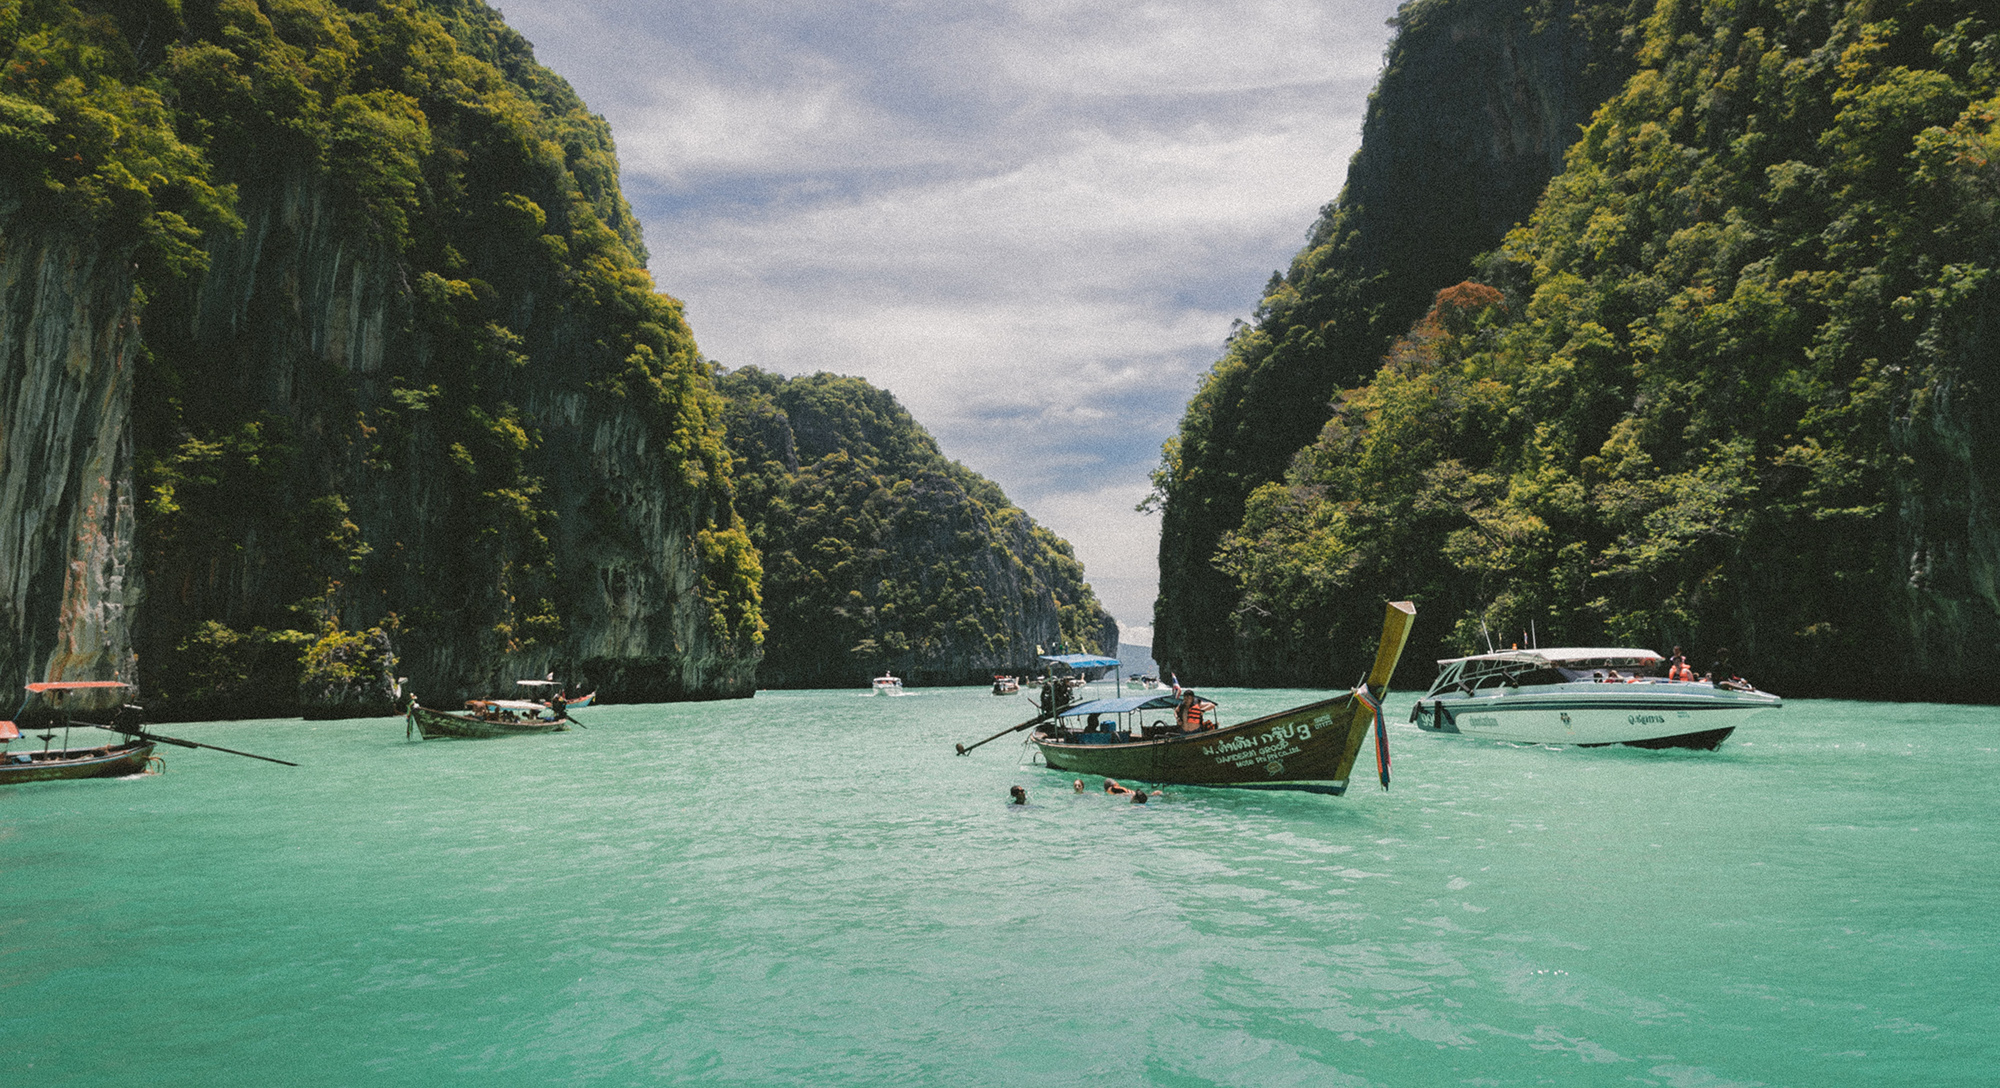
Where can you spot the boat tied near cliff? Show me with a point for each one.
(133, 755)
(484, 719)
(1587, 696)
(1311, 748)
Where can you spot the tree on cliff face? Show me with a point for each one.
(407, 399)
(1743, 392)
(1477, 103)
(879, 552)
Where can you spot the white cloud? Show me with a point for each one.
(1033, 221)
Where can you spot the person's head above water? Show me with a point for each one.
(1019, 795)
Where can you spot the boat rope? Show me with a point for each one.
(1381, 732)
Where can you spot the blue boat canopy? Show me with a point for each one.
(1082, 661)
(1157, 701)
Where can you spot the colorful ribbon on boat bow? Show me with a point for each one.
(1381, 732)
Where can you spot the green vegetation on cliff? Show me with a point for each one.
(1470, 119)
(879, 552)
(1733, 383)
(388, 285)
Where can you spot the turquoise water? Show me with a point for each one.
(808, 888)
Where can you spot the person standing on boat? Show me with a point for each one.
(1192, 712)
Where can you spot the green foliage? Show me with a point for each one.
(88, 141)
(419, 149)
(1453, 154)
(1744, 313)
(878, 552)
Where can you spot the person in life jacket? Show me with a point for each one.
(1192, 712)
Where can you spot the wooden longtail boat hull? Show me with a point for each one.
(117, 761)
(436, 723)
(1311, 747)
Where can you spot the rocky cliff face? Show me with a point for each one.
(1728, 386)
(68, 586)
(354, 375)
(1473, 112)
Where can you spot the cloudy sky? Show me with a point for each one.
(1032, 221)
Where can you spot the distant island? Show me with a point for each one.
(881, 553)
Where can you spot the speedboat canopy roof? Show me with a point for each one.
(1563, 656)
(75, 685)
(510, 704)
(539, 683)
(1081, 661)
(1119, 706)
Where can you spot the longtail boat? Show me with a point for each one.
(1311, 747)
(103, 761)
(133, 755)
(486, 718)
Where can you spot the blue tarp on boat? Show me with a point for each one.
(1156, 701)
(1082, 661)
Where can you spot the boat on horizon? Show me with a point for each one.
(1587, 696)
(551, 698)
(1311, 747)
(887, 684)
(1006, 685)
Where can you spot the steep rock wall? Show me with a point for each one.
(1475, 107)
(297, 326)
(67, 582)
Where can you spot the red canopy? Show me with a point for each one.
(74, 685)
(8, 731)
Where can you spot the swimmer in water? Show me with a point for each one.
(1019, 795)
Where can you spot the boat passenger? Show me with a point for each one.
(1723, 675)
(1192, 712)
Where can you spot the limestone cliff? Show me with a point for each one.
(67, 511)
(405, 403)
(1476, 104)
(1730, 384)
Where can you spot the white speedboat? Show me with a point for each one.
(887, 684)
(1584, 696)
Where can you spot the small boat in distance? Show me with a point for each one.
(886, 684)
(1311, 747)
(547, 696)
(1587, 696)
(484, 719)
(1006, 685)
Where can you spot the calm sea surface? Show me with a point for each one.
(809, 888)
